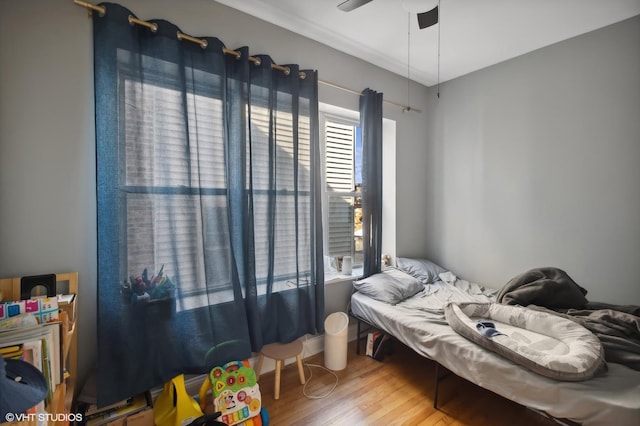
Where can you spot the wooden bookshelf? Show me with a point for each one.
(64, 393)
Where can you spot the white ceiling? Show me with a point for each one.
(474, 34)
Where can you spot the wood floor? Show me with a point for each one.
(397, 391)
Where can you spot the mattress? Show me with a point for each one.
(419, 323)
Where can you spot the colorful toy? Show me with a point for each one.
(236, 394)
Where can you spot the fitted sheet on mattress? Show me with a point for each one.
(598, 401)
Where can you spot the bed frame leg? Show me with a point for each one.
(435, 390)
(358, 339)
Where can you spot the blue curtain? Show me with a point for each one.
(371, 124)
(209, 223)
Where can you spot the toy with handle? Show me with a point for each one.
(174, 407)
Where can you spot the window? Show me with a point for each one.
(342, 186)
(342, 174)
(175, 188)
(175, 211)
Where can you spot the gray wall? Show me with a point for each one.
(535, 162)
(47, 144)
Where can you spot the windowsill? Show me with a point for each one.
(333, 276)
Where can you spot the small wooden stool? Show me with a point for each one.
(281, 352)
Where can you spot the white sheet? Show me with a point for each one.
(449, 289)
(613, 398)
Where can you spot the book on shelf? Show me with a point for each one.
(17, 321)
(39, 345)
(12, 352)
(57, 351)
(45, 309)
(66, 298)
(66, 303)
(33, 353)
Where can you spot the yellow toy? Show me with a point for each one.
(174, 406)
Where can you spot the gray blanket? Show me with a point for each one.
(548, 287)
(552, 290)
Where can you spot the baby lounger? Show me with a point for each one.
(544, 343)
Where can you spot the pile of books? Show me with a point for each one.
(377, 344)
(33, 331)
(134, 411)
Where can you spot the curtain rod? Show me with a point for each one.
(405, 108)
(181, 36)
(203, 43)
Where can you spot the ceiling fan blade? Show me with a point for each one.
(427, 19)
(349, 5)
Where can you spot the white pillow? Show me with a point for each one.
(389, 286)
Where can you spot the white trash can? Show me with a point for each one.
(336, 327)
